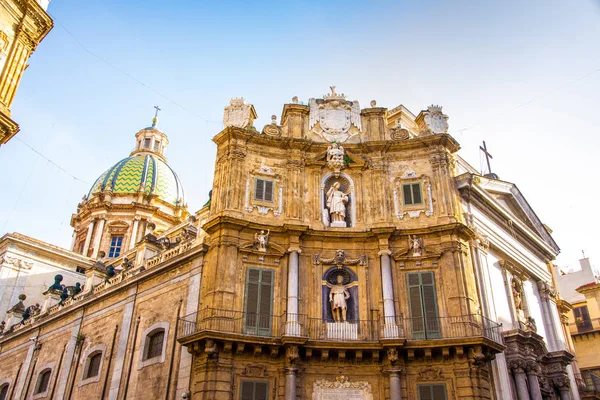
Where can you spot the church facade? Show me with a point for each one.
(345, 252)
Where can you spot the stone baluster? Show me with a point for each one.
(533, 372)
(520, 379)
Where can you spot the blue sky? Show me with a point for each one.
(482, 61)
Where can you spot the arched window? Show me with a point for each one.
(43, 381)
(155, 344)
(4, 391)
(93, 368)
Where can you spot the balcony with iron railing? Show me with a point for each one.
(588, 383)
(245, 326)
(584, 326)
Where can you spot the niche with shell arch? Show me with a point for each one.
(346, 185)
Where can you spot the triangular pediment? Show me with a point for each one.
(511, 200)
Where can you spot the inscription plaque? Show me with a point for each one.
(341, 389)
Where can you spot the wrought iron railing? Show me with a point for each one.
(588, 382)
(319, 329)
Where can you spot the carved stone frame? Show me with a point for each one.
(413, 211)
(263, 207)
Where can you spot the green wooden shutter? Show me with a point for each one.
(407, 194)
(259, 302)
(268, 191)
(423, 306)
(416, 192)
(259, 189)
(417, 322)
(260, 391)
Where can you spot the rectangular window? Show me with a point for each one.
(254, 390)
(582, 319)
(80, 270)
(156, 146)
(263, 190)
(259, 302)
(147, 143)
(436, 391)
(116, 242)
(411, 193)
(422, 299)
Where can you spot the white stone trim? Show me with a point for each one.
(146, 341)
(43, 368)
(100, 348)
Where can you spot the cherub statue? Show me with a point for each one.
(261, 240)
(338, 297)
(416, 245)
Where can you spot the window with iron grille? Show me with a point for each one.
(254, 390)
(411, 194)
(93, 368)
(263, 189)
(43, 381)
(155, 344)
(436, 391)
(116, 243)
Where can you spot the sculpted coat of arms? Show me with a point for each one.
(333, 117)
(239, 114)
(432, 121)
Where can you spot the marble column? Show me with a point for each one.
(292, 327)
(290, 383)
(134, 232)
(545, 292)
(88, 238)
(533, 371)
(521, 383)
(389, 314)
(98, 238)
(395, 385)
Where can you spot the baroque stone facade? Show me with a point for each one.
(23, 25)
(339, 256)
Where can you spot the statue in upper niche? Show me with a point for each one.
(261, 240)
(336, 203)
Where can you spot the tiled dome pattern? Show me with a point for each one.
(145, 172)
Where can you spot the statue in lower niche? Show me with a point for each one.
(336, 203)
(338, 297)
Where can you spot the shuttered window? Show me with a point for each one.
(263, 190)
(411, 194)
(254, 390)
(259, 301)
(582, 319)
(422, 300)
(435, 391)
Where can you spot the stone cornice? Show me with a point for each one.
(38, 245)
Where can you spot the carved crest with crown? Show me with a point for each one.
(239, 114)
(334, 118)
(432, 121)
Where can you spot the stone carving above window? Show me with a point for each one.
(412, 195)
(264, 192)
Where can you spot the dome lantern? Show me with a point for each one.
(151, 140)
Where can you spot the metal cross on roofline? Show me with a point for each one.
(157, 110)
(487, 156)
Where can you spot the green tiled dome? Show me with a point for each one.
(144, 171)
